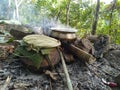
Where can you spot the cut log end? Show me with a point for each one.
(86, 57)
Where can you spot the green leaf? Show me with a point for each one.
(31, 55)
(46, 51)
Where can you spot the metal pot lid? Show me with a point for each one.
(62, 29)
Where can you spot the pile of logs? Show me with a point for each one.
(89, 48)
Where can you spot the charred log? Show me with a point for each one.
(85, 45)
(81, 54)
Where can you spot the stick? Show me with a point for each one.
(86, 57)
(6, 83)
(50, 85)
(69, 84)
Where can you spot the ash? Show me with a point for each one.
(83, 77)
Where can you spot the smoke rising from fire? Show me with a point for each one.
(29, 15)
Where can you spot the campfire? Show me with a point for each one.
(40, 52)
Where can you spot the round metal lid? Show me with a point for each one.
(60, 29)
(41, 41)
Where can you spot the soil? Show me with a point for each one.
(83, 76)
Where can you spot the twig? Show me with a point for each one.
(69, 84)
(50, 85)
(49, 73)
(6, 83)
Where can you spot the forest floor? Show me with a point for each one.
(83, 77)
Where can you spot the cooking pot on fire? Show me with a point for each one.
(63, 33)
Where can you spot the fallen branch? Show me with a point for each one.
(49, 73)
(86, 57)
(50, 85)
(69, 84)
(6, 83)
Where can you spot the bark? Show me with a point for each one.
(85, 45)
(86, 57)
(20, 3)
(95, 20)
(58, 15)
(59, 11)
(67, 12)
(16, 11)
(111, 16)
(115, 35)
(8, 10)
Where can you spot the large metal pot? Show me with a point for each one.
(63, 33)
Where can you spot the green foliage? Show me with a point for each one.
(104, 25)
(5, 38)
(81, 15)
(30, 55)
(34, 54)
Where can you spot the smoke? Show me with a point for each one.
(3, 9)
(29, 15)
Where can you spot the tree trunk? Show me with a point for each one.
(111, 16)
(67, 12)
(95, 20)
(58, 15)
(59, 11)
(16, 10)
(8, 10)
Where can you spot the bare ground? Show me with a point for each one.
(83, 77)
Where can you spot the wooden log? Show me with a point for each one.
(18, 35)
(68, 56)
(86, 57)
(92, 38)
(101, 45)
(85, 45)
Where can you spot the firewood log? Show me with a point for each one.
(92, 38)
(85, 45)
(86, 57)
